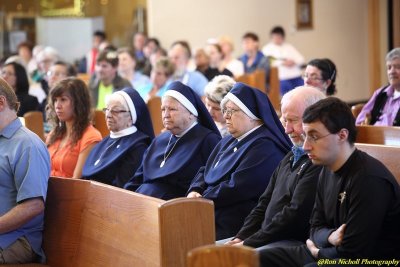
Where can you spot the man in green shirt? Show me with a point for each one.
(106, 79)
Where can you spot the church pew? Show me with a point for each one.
(99, 122)
(388, 155)
(256, 79)
(223, 256)
(92, 224)
(380, 135)
(154, 106)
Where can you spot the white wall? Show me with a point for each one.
(72, 37)
(340, 30)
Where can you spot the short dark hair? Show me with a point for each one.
(328, 72)
(153, 40)
(71, 70)
(251, 35)
(109, 56)
(102, 35)
(334, 114)
(278, 30)
(185, 46)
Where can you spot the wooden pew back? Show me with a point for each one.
(223, 256)
(34, 122)
(388, 155)
(99, 122)
(154, 106)
(93, 224)
(381, 135)
(256, 79)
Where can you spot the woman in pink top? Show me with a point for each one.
(73, 136)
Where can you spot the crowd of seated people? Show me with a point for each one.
(275, 182)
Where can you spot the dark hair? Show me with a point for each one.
(102, 35)
(251, 35)
(328, 72)
(71, 70)
(129, 51)
(109, 56)
(8, 92)
(278, 30)
(153, 40)
(185, 46)
(217, 46)
(22, 82)
(334, 114)
(80, 98)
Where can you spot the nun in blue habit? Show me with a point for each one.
(175, 156)
(240, 166)
(117, 157)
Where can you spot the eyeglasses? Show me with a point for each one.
(229, 112)
(113, 111)
(56, 74)
(7, 73)
(312, 77)
(313, 139)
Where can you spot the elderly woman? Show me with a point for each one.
(175, 156)
(117, 157)
(215, 91)
(73, 136)
(240, 166)
(321, 73)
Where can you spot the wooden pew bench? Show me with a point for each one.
(388, 155)
(380, 135)
(93, 224)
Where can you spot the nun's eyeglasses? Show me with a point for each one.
(229, 112)
(113, 111)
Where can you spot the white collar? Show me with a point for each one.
(124, 132)
(240, 138)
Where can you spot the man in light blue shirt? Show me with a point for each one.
(24, 172)
(180, 54)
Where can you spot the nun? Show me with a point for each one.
(175, 156)
(240, 166)
(116, 158)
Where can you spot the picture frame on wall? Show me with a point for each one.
(304, 14)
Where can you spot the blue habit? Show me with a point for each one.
(235, 176)
(113, 161)
(172, 180)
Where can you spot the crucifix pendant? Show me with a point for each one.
(97, 162)
(162, 163)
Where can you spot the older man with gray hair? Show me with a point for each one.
(384, 106)
(282, 214)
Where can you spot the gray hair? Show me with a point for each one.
(309, 95)
(218, 87)
(395, 53)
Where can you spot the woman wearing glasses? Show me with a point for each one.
(117, 157)
(239, 168)
(174, 157)
(321, 73)
(16, 76)
(73, 136)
